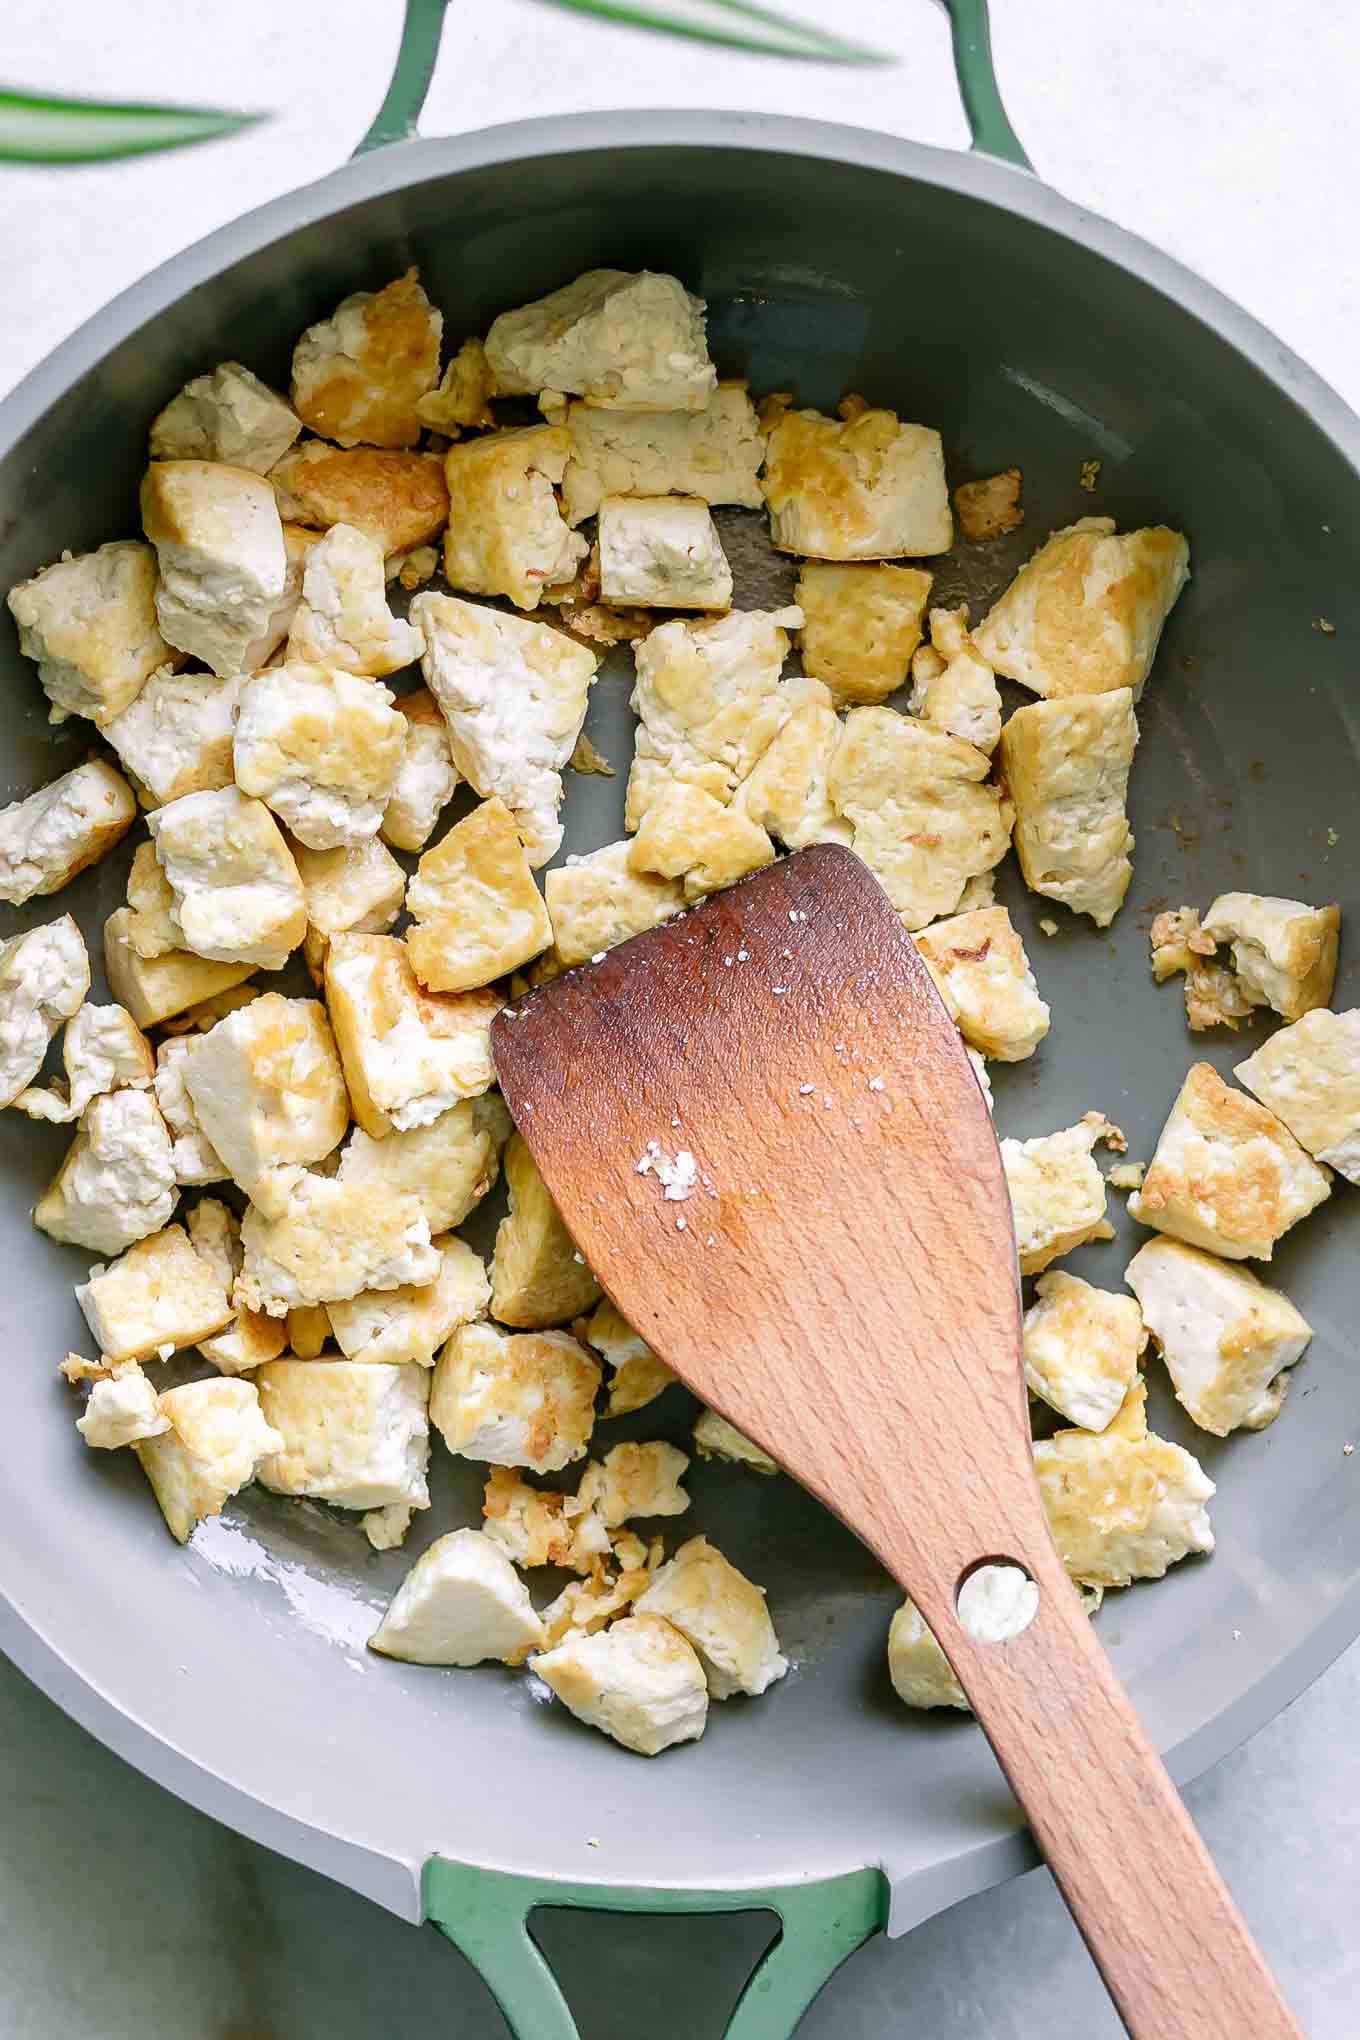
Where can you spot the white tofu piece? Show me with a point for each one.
(636, 1376)
(122, 1408)
(409, 1325)
(153, 929)
(714, 453)
(103, 1049)
(1284, 952)
(462, 1603)
(506, 534)
(321, 747)
(195, 1158)
(1122, 1508)
(537, 1276)
(252, 1336)
(1227, 1175)
(638, 1680)
(921, 1674)
(861, 625)
(983, 975)
(399, 499)
(267, 1087)
(662, 552)
(176, 737)
(477, 913)
(238, 897)
(153, 1300)
(1085, 614)
(359, 375)
(343, 621)
(862, 487)
(117, 1183)
(220, 552)
(984, 1081)
(715, 1438)
(722, 1614)
(515, 1399)
(298, 544)
(447, 1166)
(925, 816)
(709, 698)
(44, 976)
(1081, 1348)
(513, 694)
(228, 415)
(386, 1529)
(623, 341)
(1057, 1192)
(1226, 1336)
(686, 834)
(635, 1480)
(216, 1440)
(356, 888)
(785, 791)
(357, 1437)
(536, 1527)
(427, 778)
(320, 1240)
(156, 989)
(409, 1055)
(462, 402)
(61, 829)
(90, 623)
(955, 690)
(1308, 1075)
(1065, 764)
(598, 900)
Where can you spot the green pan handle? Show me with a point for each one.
(991, 131)
(485, 1913)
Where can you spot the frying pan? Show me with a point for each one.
(962, 291)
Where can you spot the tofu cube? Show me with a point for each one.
(400, 500)
(426, 778)
(252, 1336)
(357, 1437)
(44, 976)
(267, 1087)
(447, 1166)
(228, 415)
(636, 1376)
(686, 834)
(537, 1277)
(625, 341)
(216, 1440)
(662, 552)
(1065, 764)
(925, 816)
(513, 694)
(953, 689)
(598, 900)
(90, 623)
(317, 1239)
(1284, 953)
(153, 929)
(462, 1603)
(1227, 1175)
(506, 534)
(462, 402)
(195, 1158)
(103, 1049)
(386, 1529)
(1081, 1348)
(991, 507)
(60, 830)
(1085, 615)
(1226, 1336)
(409, 1055)
(321, 747)
(176, 737)
(354, 888)
(865, 487)
(153, 1300)
(983, 975)
(515, 1399)
(785, 791)
(722, 1615)
(117, 1183)
(359, 375)
(861, 625)
(715, 1438)
(408, 1326)
(122, 1408)
(342, 621)
(157, 988)
(478, 914)
(238, 897)
(536, 1527)
(221, 558)
(714, 453)
(635, 1480)
(639, 1681)
(1122, 1508)
(1308, 1075)
(1057, 1192)
(921, 1674)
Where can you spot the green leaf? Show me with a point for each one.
(735, 24)
(34, 129)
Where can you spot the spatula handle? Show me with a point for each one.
(1175, 1953)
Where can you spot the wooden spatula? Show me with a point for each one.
(840, 1282)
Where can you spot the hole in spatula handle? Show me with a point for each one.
(996, 1599)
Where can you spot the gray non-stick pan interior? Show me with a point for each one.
(235, 1669)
